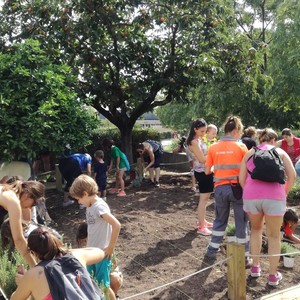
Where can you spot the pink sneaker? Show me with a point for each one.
(208, 224)
(255, 271)
(113, 191)
(121, 194)
(204, 231)
(274, 279)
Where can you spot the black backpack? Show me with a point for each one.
(68, 279)
(268, 166)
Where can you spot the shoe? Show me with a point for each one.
(194, 189)
(113, 191)
(121, 194)
(68, 202)
(156, 183)
(274, 279)
(81, 206)
(208, 224)
(150, 182)
(248, 262)
(255, 271)
(204, 231)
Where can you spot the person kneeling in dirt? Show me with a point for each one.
(290, 222)
(116, 276)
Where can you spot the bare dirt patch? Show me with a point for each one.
(158, 243)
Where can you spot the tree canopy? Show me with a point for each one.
(38, 109)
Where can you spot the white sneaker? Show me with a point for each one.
(81, 206)
(68, 202)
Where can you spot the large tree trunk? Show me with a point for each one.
(126, 142)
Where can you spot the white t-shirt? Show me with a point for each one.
(99, 231)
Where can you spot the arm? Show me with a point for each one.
(208, 170)
(116, 227)
(88, 255)
(243, 168)
(278, 143)
(293, 238)
(14, 212)
(89, 169)
(194, 148)
(152, 158)
(289, 170)
(110, 166)
(23, 290)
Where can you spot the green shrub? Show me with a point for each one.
(230, 230)
(8, 269)
(293, 197)
(288, 248)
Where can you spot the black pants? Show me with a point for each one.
(70, 169)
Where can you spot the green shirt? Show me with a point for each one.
(116, 152)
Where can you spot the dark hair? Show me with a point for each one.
(286, 131)
(290, 215)
(198, 123)
(82, 232)
(140, 146)
(107, 143)
(232, 123)
(182, 141)
(34, 189)
(44, 244)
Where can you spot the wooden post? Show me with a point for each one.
(58, 178)
(139, 168)
(236, 271)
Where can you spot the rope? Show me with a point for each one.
(274, 255)
(177, 280)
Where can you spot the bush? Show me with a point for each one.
(293, 197)
(230, 230)
(288, 248)
(8, 269)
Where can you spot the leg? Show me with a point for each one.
(256, 222)
(202, 209)
(151, 173)
(157, 174)
(273, 224)
(222, 209)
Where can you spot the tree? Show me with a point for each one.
(126, 53)
(284, 64)
(38, 109)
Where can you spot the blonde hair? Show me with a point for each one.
(81, 184)
(266, 135)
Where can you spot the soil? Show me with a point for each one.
(158, 244)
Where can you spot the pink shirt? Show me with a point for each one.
(256, 189)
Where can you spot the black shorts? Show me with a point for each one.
(157, 158)
(205, 182)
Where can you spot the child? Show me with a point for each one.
(116, 276)
(210, 136)
(100, 173)
(117, 159)
(103, 227)
(290, 220)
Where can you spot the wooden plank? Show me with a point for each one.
(292, 293)
(236, 271)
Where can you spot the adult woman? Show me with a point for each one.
(225, 157)
(13, 198)
(265, 202)
(150, 151)
(249, 136)
(198, 150)
(45, 246)
(291, 145)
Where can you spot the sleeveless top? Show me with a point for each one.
(198, 166)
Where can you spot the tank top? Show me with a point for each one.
(198, 166)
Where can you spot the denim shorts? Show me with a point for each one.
(268, 207)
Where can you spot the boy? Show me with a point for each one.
(103, 227)
(100, 173)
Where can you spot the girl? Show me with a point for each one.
(198, 150)
(13, 198)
